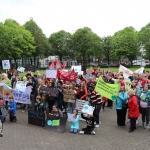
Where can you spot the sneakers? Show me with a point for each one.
(128, 120)
(1, 134)
(137, 122)
(81, 132)
(97, 126)
(93, 132)
(146, 127)
(142, 125)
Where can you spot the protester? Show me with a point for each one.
(90, 119)
(56, 111)
(12, 109)
(96, 101)
(39, 106)
(133, 110)
(4, 79)
(121, 107)
(75, 125)
(144, 102)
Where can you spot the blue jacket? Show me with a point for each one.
(12, 106)
(122, 99)
(75, 124)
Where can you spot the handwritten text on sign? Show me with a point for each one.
(69, 96)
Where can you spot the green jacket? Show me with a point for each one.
(8, 82)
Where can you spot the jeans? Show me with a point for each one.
(71, 107)
(73, 130)
(96, 112)
(59, 103)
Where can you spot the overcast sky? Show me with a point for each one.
(104, 17)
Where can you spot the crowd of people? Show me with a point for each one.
(136, 100)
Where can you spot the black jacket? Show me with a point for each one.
(110, 81)
(39, 107)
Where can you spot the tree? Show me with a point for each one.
(17, 39)
(60, 42)
(43, 48)
(125, 44)
(144, 39)
(107, 48)
(86, 43)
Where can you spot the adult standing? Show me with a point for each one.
(110, 81)
(121, 107)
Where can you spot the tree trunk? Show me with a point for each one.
(22, 60)
(31, 60)
(15, 62)
(34, 60)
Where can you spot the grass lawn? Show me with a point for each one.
(110, 68)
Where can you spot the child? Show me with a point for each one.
(74, 125)
(12, 109)
(39, 107)
(90, 124)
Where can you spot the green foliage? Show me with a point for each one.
(43, 47)
(125, 44)
(60, 42)
(86, 43)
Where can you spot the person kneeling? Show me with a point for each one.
(74, 124)
(90, 124)
(39, 107)
(12, 109)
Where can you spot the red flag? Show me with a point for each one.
(52, 65)
(70, 77)
(65, 64)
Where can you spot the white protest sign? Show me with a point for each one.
(140, 70)
(51, 73)
(21, 85)
(22, 96)
(71, 117)
(6, 64)
(76, 68)
(88, 109)
(126, 72)
(80, 72)
(21, 69)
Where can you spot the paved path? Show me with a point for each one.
(22, 136)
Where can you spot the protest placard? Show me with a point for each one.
(80, 73)
(79, 106)
(21, 85)
(6, 64)
(56, 124)
(88, 109)
(51, 73)
(36, 118)
(71, 117)
(107, 90)
(69, 96)
(76, 68)
(21, 69)
(31, 68)
(50, 91)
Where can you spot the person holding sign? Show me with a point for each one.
(56, 111)
(96, 101)
(74, 121)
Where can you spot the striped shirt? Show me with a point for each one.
(95, 98)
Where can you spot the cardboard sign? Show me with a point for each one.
(71, 117)
(6, 64)
(36, 118)
(51, 91)
(56, 124)
(69, 96)
(31, 68)
(51, 73)
(80, 73)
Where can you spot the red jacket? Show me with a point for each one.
(85, 93)
(143, 82)
(133, 111)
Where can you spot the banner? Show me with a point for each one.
(21, 69)
(22, 96)
(140, 70)
(107, 90)
(36, 118)
(21, 85)
(50, 91)
(6, 64)
(7, 93)
(51, 74)
(56, 124)
(126, 72)
(76, 68)
(70, 77)
(69, 96)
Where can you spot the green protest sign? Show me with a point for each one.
(107, 90)
(55, 122)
